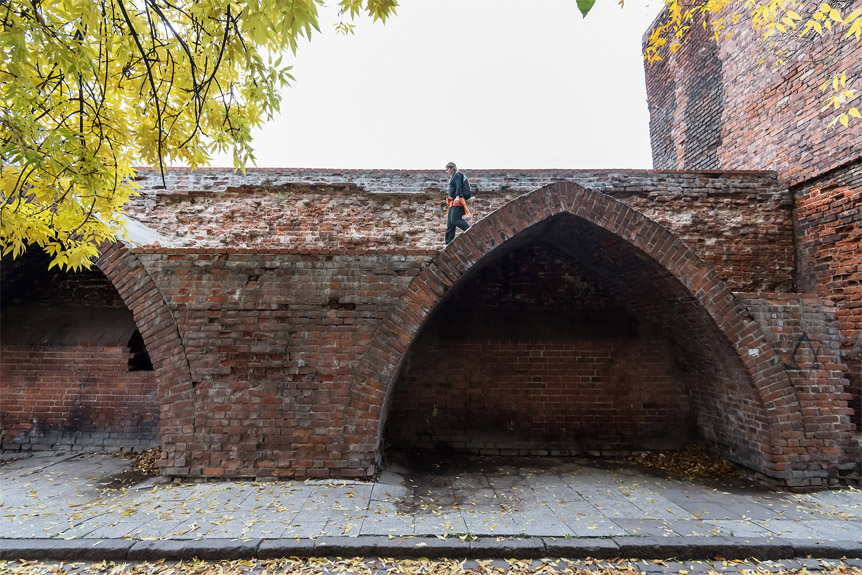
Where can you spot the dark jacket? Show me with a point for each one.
(456, 185)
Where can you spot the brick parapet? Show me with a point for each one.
(738, 222)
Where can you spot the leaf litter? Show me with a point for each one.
(424, 566)
(693, 462)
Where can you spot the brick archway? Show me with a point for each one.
(776, 403)
(162, 339)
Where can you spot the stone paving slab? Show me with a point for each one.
(64, 503)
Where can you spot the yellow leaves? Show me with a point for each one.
(840, 98)
(854, 21)
(824, 17)
(345, 28)
(83, 101)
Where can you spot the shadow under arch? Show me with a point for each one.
(628, 237)
(160, 332)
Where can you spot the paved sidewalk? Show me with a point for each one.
(73, 507)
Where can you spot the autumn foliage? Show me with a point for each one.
(90, 89)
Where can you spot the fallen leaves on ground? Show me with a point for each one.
(145, 462)
(368, 566)
(691, 463)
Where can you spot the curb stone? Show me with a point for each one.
(278, 548)
(694, 548)
(66, 549)
(333, 546)
(664, 548)
(827, 549)
(506, 548)
(427, 547)
(581, 548)
(207, 549)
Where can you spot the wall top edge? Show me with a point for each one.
(282, 251)
(513, 171)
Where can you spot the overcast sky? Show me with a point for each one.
(483, 83)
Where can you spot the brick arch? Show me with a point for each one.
(372, 389)
(162, 339)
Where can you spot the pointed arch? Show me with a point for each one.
(634, 236)
(163, 342)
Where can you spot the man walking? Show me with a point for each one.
(456, 202)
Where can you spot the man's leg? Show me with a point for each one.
(459, 219)
(450, 225)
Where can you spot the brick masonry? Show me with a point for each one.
(801, 328)
(737, 222)
(536, 355)
(80, 397)
(282, 353)
(68, 376)
(729, 107)
(713, 107)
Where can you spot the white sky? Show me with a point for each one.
(514, 84)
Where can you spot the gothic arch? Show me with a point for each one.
(375, 376)
(160, 332)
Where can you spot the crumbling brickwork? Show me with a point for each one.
(281, 353)
(740, 223)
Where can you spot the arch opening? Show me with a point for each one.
(74, 370)
(568, 340)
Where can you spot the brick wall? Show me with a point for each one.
(534, 356)
(802, 328)
(282, 357)
(829, 229)
(727, 106)
(272, 340)
(75, 396)
(774, 117)
(742, 398)
(68, 375)
(739, 223)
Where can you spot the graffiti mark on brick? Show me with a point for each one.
(804, 352)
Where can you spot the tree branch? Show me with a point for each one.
(156, 102)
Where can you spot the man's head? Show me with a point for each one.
(451, 168)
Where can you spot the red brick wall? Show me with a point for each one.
(744, 401)
(729, 107)
(65, 374)
(803, 331)
(82, 397)
(774, 117)
(739, 223)
(279, 358)
(272, 340)
(829, 228)
(534, 356)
